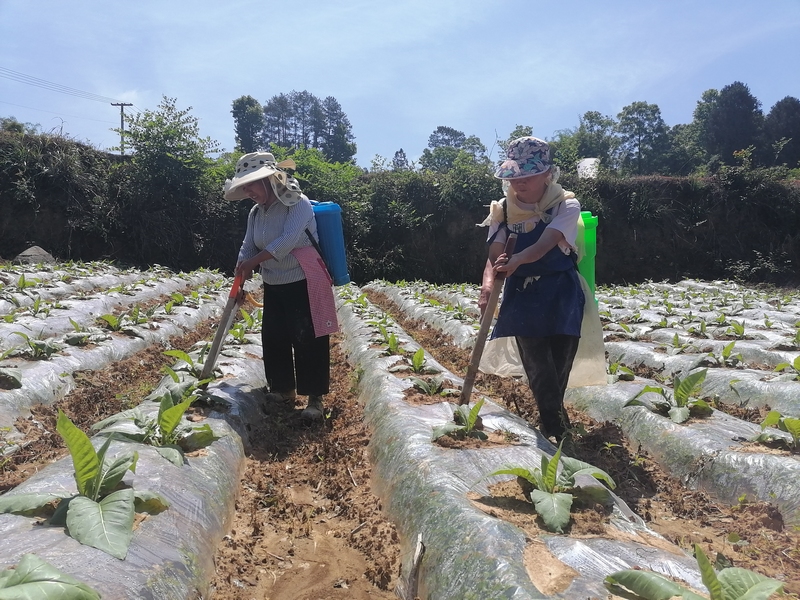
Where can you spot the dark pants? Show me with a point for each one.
(547, 362)
(293, 357)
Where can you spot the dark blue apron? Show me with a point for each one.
(552, 301)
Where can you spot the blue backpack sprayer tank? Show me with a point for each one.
(331, 240)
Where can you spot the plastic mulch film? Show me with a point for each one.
(463, 333)
(47, 381)
(705, 453)
(743, 387)
(85, 310)
(467, 553)
(171, 553)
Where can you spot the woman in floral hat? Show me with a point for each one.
(543, 300)
(299, 312)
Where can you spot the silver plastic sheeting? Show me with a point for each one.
(707, 453)
(171, 554)
(469, 554)
(47, 381)
(463, 333)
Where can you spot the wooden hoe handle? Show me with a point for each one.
(486, 322)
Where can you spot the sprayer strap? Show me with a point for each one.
(317, 247)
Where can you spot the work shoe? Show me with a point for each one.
(314, 411)
(287, 398)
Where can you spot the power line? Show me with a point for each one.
(58, 114)
(55, 87)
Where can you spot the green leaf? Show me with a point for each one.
(773, 418)
(473, 414)
(180, 355)
(708, 574)
(553, 508)
(446, 429)
(106, 525)
(35, 579)
(598, 474)
(550, 470)
(645, 584)
(679, 414)
(150, 502)
(685, 388)
(200, 437)
(742, 584)
(516, 471)
(113, 473)
(169, 419)
(172, 453)
(84, 457)
(26, 504)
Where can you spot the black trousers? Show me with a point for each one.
(547, 362)
(293, 358)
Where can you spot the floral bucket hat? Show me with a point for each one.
(261, 165)
(525, 156)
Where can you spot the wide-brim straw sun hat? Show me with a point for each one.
(525, 157)
(261, 165)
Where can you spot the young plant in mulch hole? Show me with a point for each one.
(83, 335)
(789, 425)
(732, 583)
(38, 348)
(465, 424)
(553, 492)
(682, 403)
(33, 578)
(124, 322)
(789, 371)
(101, 514)
(726, 358)
(417, 365)
(619, 372)
(167, 431)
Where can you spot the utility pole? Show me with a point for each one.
(122, 106)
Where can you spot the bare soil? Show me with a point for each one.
(308, 527)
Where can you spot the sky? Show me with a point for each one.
(399, 68)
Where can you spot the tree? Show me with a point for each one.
(595, 136)
(642, 136)
(446, 144)
(338, 143)
(248, 119)
(164, 186)
(564, 151)
(11, 125)
(782, 131)
(519, 131)
(277, 121)
(400, 161)
(735, 122)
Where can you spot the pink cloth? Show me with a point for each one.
(320, 292)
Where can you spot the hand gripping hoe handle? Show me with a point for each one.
(235, 299)
(486, 322)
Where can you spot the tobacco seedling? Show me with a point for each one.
(726, 358)
(788, 424)
(39, 349)
(35, 578)
(466, 423)
(732, 583)
(681, 403)
(193, 368)
(737, 329)
(167, 432)
(551, 492)
(433, 386)
(101, 514)
(791, 371)
(23, 283)
(83, 335)
(619, 372)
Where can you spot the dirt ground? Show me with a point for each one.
(307, 526)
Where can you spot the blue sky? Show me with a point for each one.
(399, 68)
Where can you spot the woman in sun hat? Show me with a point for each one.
(299, 312)
(543, 300)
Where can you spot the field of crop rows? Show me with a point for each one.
(703, 380)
